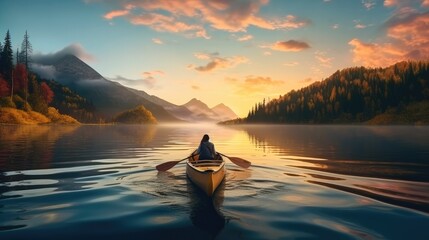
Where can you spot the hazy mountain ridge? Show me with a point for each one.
(218, 113)
(111, 98)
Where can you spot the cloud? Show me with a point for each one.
(157, 41)
(368, 4)
(246, 37)
(291, 64)
(290, 46)
(194, 16)
(45, 71)
(255, 85)
(116, 13)
(335, 26)
(148, 81)
(42, 64)
(307, 80)
(406, 38)
(162, 23)
(406, 3)
(360, 26)
(216, 62)
(375, 54)
(323, 59)
(74, 49)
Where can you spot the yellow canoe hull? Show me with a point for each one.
(206, 174)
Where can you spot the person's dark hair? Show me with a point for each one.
(205, 138)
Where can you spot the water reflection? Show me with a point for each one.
(384, 152)
(315, 182)
(368, 161)
(205, 212)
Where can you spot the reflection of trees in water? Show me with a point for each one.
(29, 146)
(342, 142)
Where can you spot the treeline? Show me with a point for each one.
(351, 95)
(18, 87)
(22, 89)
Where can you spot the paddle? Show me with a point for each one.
(167, 165)
(238, 161)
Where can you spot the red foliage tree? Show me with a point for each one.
(47, 93)
(4, 87)
(20, 79)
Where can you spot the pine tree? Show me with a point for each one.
(26, 50)
(6, 66)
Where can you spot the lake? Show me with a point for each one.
(305, 182)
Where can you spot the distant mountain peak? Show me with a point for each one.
(220, 105)
(195, 103)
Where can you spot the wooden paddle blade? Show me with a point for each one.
(167, 165)
(240, 162)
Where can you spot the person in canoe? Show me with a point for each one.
(206, 150)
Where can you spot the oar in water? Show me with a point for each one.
(167, 165)
(238, 161)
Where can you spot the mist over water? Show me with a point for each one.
(306, 182)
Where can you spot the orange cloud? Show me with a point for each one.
(375, 55)
(323, 59)
(255, 85)
(290, 46)
(116, 13)
(193, 15)
(218, 63)
(163, 23)
(407, 39)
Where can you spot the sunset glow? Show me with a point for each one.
(231, 52)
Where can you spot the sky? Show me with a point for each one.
(235, 52)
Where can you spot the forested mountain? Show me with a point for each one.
(352, 95)
(109, 98)
(70, 103)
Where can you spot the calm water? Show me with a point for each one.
(306, 182)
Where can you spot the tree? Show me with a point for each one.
(36, 99)
(4, 87)
(20, 83)
(26, 50)
(47, 93)
(6, 66)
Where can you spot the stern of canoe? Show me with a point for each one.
(206, 174)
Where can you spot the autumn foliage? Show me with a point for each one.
(351, 95)
(20, 79)
(47, 93)
(4, 87)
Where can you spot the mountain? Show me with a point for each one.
(224, 112)
(109, 98)
(192, 111)
(398, 94)
(203, 113)
(180, 112)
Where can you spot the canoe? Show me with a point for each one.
(206, 174)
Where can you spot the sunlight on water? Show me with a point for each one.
(321, 182)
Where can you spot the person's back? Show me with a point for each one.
(206, 149)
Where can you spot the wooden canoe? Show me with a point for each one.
(206, 174)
